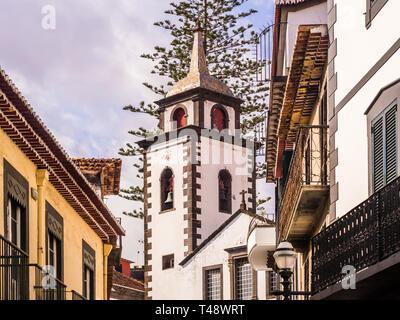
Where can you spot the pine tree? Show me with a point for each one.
(228, 43)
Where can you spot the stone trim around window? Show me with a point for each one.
(373, 10)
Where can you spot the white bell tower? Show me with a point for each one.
(194, 171)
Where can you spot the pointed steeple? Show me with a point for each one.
(199, 76)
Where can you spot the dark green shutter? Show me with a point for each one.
(391, 144)
(378, 155)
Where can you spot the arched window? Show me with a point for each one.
(167, 189)
(224, 191)
(179, 117)
(219, 118)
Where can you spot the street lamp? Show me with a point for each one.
(285, 259)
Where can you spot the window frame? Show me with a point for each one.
(207, 269)
(382, 115)
(168, 257)
(162, 190)
(55, 220)
(373, 10)
(88, 252)
(23, 202)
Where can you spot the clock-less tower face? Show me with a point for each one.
(194, 171)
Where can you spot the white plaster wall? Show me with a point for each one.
(358, 49)
(167, 228)
(313, 15)
(235, 160)
(187, 282)
(207, 116)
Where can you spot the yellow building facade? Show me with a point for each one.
(56, 233)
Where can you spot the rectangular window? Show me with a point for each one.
(272, 283)
(373, 7)
(88, 283)
(55, 231)
(168, 261)
(243, 279)
(384, 148)
(88, 271)
(55, 254)
(15, 207)
(212, 283)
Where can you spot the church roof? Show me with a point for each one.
(199, 76)
(221, 228)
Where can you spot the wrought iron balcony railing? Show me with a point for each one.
(364, 236)
(14, 272)
(46, 286)
(308, 168)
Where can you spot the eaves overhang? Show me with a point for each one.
(28, 132)
(278, 85)
(304, 80)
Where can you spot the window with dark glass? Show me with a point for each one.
(224, 191)
(168, 261)
(219, 118)
(88, 283)
(167, 190)
(179, 118)
(384, 148)
(16, 204)
(55, 254)
(88, 269)
(54, 241)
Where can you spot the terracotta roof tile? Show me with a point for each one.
(123, 280)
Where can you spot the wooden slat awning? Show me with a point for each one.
(27, 131)
(278, 85)
(303, 85)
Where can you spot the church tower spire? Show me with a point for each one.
(199, 75)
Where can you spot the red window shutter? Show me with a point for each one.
(218, 119)
(179, 117)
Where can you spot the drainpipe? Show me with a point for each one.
(106, 251)
(42, 175)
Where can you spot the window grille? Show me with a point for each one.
(213, 278)
(243, 279)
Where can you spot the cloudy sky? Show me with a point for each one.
(79, 75)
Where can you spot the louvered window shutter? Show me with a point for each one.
(391, 144)
(377, 154)
(384, 149)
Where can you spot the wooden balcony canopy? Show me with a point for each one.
(29, 133)
(303, 84)
(278, 85)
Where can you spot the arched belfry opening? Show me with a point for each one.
(219, 118)
(225, 191)
(179, 118)
(167, 189)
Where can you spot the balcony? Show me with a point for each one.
(14, 270)
(307, 187)
(46, 286)
(367, 238)
(15, 273)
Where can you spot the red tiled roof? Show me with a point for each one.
(123, 280)
(111, 169)
(19, 121)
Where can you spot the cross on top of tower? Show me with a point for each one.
(199, 76)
